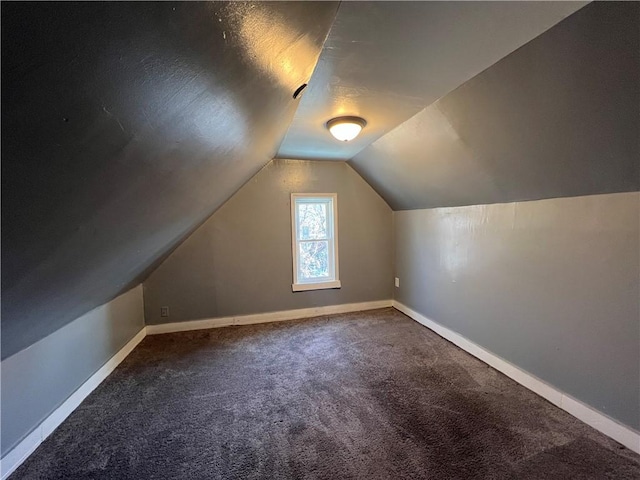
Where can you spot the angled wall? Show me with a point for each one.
(239, 261)
(124, 126)
(558, 117)
(550, 284)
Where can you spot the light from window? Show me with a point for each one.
(315, 241)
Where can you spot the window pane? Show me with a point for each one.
(312, 221)
(314, 260)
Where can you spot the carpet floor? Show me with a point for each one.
(367, 395)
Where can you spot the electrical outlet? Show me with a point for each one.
(397, 282)
(164, 311)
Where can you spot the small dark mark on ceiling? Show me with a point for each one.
(299, 90)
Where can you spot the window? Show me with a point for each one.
(314, 220)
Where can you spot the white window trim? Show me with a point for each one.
(298, 286)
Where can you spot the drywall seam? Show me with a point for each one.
(16, 456)
(265, 317)
(592, 417)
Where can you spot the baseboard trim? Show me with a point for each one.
(601, 422)
(592, 417)
(16, 456)
(265, 317)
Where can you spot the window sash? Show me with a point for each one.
(330, 262)
(328, 219)
(325, 281)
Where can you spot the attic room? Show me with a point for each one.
(320, 240)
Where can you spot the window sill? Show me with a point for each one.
(301, 287)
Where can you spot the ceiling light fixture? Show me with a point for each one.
(346, 128)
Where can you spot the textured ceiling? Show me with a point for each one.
(559, 117)
(385, 61)
(124, 126)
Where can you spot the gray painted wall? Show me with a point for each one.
(551, 286)
(124, 126)
(559, 117)
(239, 261)
(37, 380)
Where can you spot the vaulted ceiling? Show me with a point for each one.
(559, 117)
(125, 125)
(386, 61)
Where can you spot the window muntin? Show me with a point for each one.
(314, 241)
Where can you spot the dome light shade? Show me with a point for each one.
(346, 128)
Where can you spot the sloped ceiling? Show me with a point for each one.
(124, 126)
(386, 61)
(559, 117)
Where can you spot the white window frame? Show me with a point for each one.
(333, 281)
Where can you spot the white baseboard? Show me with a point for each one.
(592, 417)
(265, 317)
(626, 436)
(16, 456)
